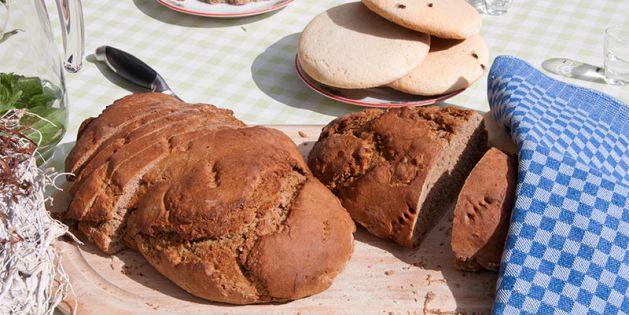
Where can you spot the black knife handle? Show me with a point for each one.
(131, 68)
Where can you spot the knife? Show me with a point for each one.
(133, 69)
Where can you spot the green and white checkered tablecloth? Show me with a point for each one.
(246, 64)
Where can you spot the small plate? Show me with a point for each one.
(223, 10)
(373, 97)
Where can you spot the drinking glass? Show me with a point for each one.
(617, 55)
(497, 7)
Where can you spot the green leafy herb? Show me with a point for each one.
(17, 91)
(30, 93)
(51, 127)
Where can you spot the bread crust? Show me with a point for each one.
(114, 118)
(483, 212)
(383, 164)
(450, 65)
(350, 47)
(455, 19)
(229, 213)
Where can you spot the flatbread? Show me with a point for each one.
(442, 18)
(451, 65)
(349, 46)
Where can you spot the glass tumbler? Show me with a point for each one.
(497, 7)
(617, 55)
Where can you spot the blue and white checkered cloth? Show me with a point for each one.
(567, 249)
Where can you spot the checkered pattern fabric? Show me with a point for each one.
(246, 64)
(567, 249)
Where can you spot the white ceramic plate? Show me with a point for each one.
(374, 97)
(222, 10)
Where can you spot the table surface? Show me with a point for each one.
(246, 64)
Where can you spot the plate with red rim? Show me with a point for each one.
(224, 10)
(373, 97)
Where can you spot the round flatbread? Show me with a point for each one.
(451, 65)
(442, 18)
(349, 46)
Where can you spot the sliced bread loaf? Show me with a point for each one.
(397, 171)
(228, 213)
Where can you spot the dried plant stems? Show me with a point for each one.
(32, 279)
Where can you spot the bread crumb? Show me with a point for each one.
(427, 299)
(302, 134)
(389, 272)
(151, 305)
(419, 264)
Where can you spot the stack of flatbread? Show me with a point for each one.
(419, 47)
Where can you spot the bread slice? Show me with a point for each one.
(483, 211)
(167, 123)
(105, 182)
(103, 210)
(130, 111)
(398, 171)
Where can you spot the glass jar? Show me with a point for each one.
(32, 86)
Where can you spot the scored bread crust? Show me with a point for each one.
(483, 211)
(396, 171)
(114, 118)
(227, 212)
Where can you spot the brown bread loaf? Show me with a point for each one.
(397, 171)
(229, 213)
(483, 211)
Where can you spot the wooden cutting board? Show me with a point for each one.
(380, 278)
